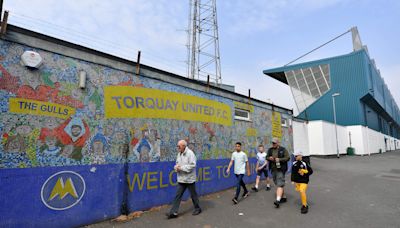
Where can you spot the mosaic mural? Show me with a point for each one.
(47, 120)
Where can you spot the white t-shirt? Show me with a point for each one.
(261, 158)
(240, 159)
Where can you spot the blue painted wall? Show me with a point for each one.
(22, 206)
(154, 183)
(150, 184)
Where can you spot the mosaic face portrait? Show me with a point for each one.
(98, 147)
(76, 130)
(15, 144)
(51, 141)
(51, 123)
(67, 151)
(23, 130)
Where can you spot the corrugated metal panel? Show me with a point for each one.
(353, 75)
(347, 78)
(382, 93)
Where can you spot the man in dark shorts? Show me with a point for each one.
(261, 168)
(278, 157)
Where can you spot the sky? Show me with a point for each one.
(254, 35)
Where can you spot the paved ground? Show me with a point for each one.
(347, 192)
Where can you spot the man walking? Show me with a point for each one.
(278, 157)
(186, 176)
(241, 161)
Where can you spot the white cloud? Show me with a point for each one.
(246, 17)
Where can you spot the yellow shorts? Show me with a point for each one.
(301, 187)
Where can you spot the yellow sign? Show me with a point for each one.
(276, 125)
(244, 106)
(40, 108)
(134, 102)
(251, 132)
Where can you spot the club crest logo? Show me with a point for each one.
(63, 190)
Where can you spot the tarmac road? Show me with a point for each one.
(352, 191)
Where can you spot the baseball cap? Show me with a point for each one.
(297, 153)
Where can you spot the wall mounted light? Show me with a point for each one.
(82, 79)
(31, 59)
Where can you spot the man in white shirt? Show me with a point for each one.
(241, 161)
(262, 168)
(186, 176)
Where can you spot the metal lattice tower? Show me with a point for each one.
(203, 44)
